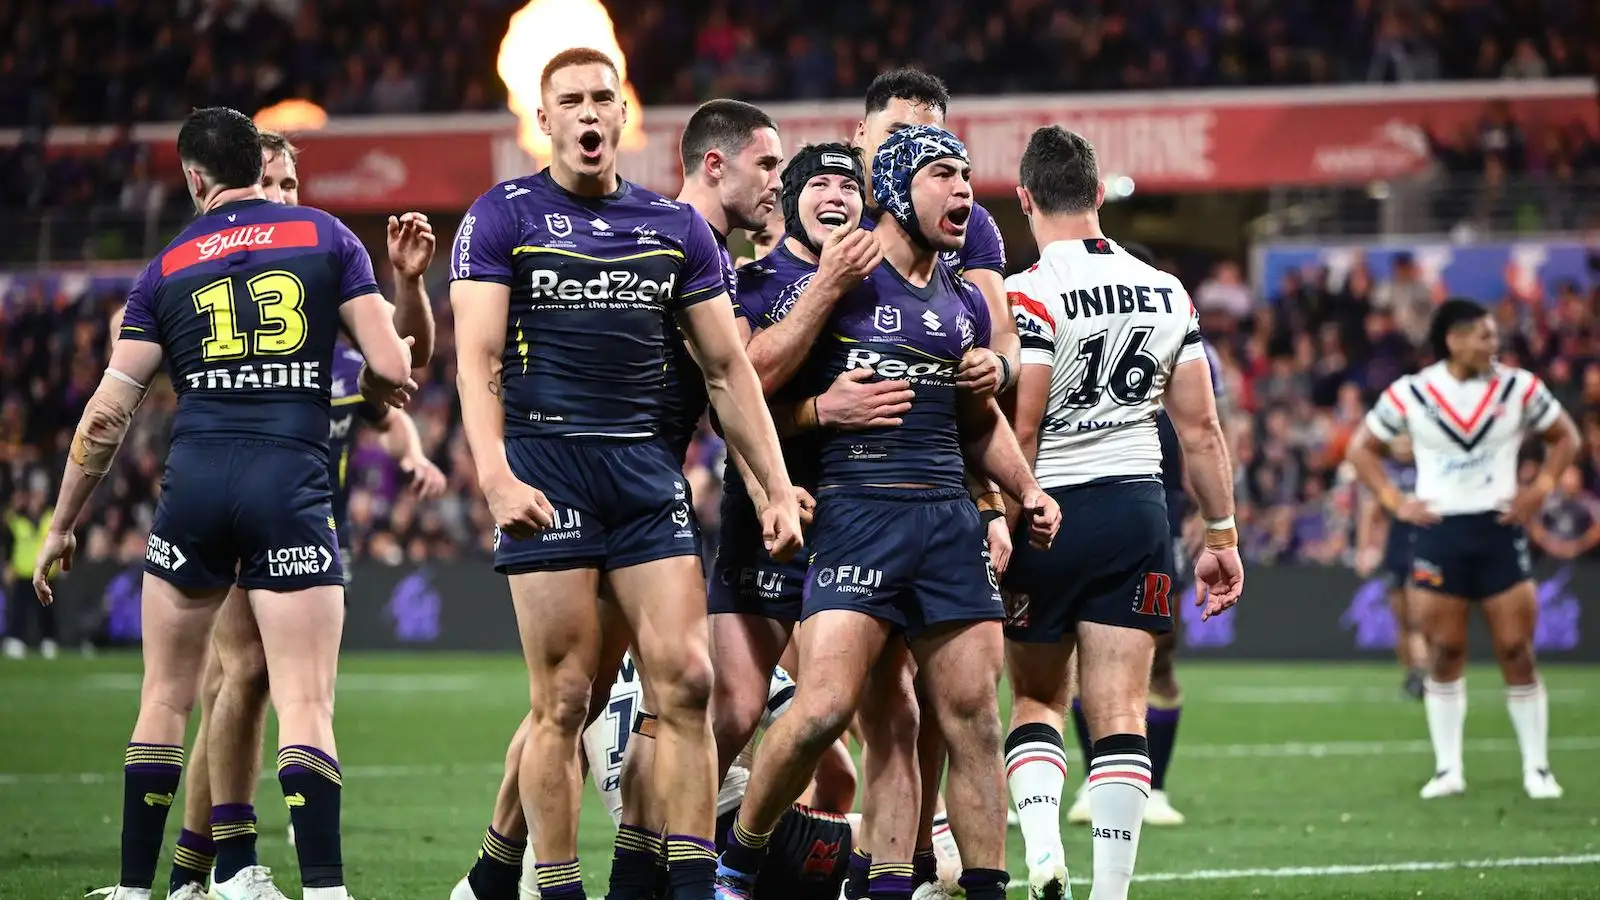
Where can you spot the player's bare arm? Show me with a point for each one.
(100, 434)
(736, 395)
(411, 245)
(1560, 448)
(992, 369)
(480, 309)
(386, 375)
(398, 436)
(1372, 529)
(847, 257)
(1191, 401)
(991, 448)
(1365, 454)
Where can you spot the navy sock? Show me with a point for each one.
(745, 851)
(855, 879)
(1163, 734)
(889, 881)
(498, 868)
(192, 860)
(233, 827)
(1080, 726)
(311, 787)
(635, 859)
(924, 867)
(985, 884)
(150, 776)
(691, 866)
(559, 881)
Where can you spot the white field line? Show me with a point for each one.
(1514, 862)
(1289, 750)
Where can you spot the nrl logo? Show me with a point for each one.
(557, 224)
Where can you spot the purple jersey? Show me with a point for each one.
(350, 409)
(245, 304)
(899, 330)
(686, 397)
(984, 248)
(593, 280)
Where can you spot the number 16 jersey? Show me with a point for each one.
(1112, 329)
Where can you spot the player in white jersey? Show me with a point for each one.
(1106, 341)
(1467, 416)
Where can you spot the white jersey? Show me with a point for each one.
(1465, 435)
(605, 741)
(1112, 329)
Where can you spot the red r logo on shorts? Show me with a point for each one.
(1153, 599)
(822, 858)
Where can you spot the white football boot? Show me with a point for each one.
(1541, 785)
(1047, 877)
(1444, 784)
(249, 883)
(1158, 810)
(1078, 813)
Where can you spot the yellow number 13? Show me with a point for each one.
(278, 296)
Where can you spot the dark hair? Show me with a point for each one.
(909, 84)
(1456, 312)
(577, 56)
(224, 144)
(277, 145)
(723, 125)
(1060, 171)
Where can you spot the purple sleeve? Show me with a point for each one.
(702, 277)
(484, 242)
(749, 300)
(139, 316)
(355, 276)
(984, 248)
(983, 327)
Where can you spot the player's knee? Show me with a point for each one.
(736, 708)
(248, 669)
(684, 686)
(1515, 658)
(820, 725)
(1164, 679)
(564, 704)
(970, 709)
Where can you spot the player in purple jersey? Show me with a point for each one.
(251, 428)
(562, 282)
(899, 547)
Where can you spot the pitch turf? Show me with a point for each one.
(1299, 781)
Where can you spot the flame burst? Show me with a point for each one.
(534, 36)
(292, 116)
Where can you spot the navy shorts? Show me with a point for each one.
(617, 504)
(1110, 564)
(744, 579)
(251, 513)
(912, 558)
(1397, 553)
(807, 858)
(1471, 556)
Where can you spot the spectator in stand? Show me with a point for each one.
(1569, 524)
(1223, 300)
(1525, 62)
(1407, 298)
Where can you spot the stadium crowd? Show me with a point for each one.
(1302, 365)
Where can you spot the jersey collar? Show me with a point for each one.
(623, 188)
(236, 205)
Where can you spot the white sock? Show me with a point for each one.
(945, 849)
(1119, 786)
(326, 893)
(1446, 706)
(1529, 707)
(1036, 770)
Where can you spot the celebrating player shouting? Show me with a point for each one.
(562, 284)
(1106, 339)
(898, 544)
(249, 331)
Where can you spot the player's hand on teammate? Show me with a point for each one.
(1416, 512)
(376, 390)
(427, 481)
(58, 547)
(1220, 574)
(1043, 517)
(999, 546)
(780, 526)
(807, 504)
(852, 402)
(411, 243)
(848, 256)
(980, 372)
(520, 510)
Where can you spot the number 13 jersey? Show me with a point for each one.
(1111, 329)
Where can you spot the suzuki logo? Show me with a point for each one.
(931, 321)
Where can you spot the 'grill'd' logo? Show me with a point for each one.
(209, 247)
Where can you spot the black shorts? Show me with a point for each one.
(912, 558)
(617, 503)
(1471, 556)
(744, 579)
(807, 856)
(1397, 554)
(252, 513)
(1111, 564)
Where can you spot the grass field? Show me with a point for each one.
(1299, 781)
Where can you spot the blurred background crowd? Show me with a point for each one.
(1302, 358)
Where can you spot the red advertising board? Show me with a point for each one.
(1165, 142)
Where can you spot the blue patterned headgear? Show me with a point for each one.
(898, 160)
